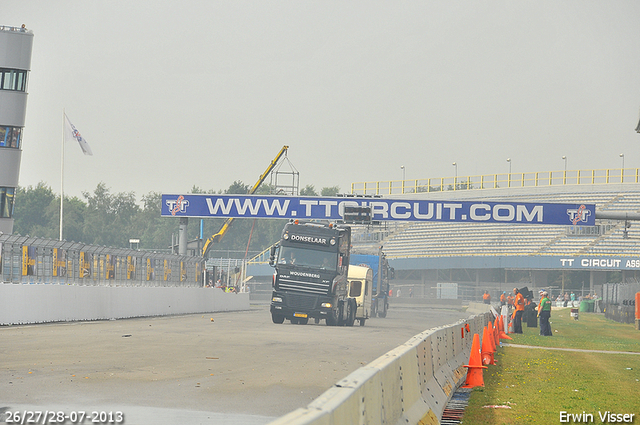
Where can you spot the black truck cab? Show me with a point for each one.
(311, 264)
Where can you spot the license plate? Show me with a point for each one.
(304, 315)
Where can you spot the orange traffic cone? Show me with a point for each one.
(494, 335)
(474, 372)
(487, 347)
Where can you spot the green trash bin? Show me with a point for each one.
(591, 306)
(584, 306)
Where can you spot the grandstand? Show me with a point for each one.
(426, 249)
(456, 239)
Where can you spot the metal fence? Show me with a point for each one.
(620, 293)
(494, 181)
(25, 259)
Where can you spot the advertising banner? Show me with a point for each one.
(110, 267)
(183, 272)
(131, 267)
(59, 262)
(167, 270)
(382, 209)
(28, 260)
(85, 265)
(150, 269)
(613, 262)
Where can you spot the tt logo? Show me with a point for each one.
(178, 205)
(579, 215)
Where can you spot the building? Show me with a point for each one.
(15, 63)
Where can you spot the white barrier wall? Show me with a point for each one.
(410, 384)
(20, 304)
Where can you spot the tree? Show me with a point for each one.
(153, 230)
(330, 191)
(308, 190)
(265, 189)
(237, 188)
(73, 226)
(29, 211)
(108, 220)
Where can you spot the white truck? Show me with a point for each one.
(360, 289)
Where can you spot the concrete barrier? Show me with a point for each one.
(478, 308)
(22, 304)
(410, 384)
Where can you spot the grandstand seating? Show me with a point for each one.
(431, 239)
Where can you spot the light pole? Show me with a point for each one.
(564, 179)
(403, 170)
(509, 178)
(455, 180)
(622, 171)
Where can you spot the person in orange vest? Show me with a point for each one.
(486, 297)
(503, 298)
(510, 300)
(519, 304)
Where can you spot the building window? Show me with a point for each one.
(13, 79)
(6, 201)
(10, 137)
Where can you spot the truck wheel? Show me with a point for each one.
(362, 322)
(335, 316)
(341, 308)
(332, 319)
(277, 318)
(316, 320)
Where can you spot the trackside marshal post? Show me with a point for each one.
(382, 209)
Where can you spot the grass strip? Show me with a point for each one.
(535, 385)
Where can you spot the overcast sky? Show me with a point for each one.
(171, 94)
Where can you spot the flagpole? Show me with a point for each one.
(62, 175)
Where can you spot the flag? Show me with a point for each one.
(70, 131)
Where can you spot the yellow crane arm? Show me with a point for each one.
(216, 238)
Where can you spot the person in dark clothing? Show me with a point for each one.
(544, 313)
(519, 304)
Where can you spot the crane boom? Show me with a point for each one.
(216, 238)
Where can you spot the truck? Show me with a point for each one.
(382, 273)
(310, 279)
(360, 287)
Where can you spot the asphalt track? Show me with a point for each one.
(221, 368)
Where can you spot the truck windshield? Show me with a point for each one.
(308, 258)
